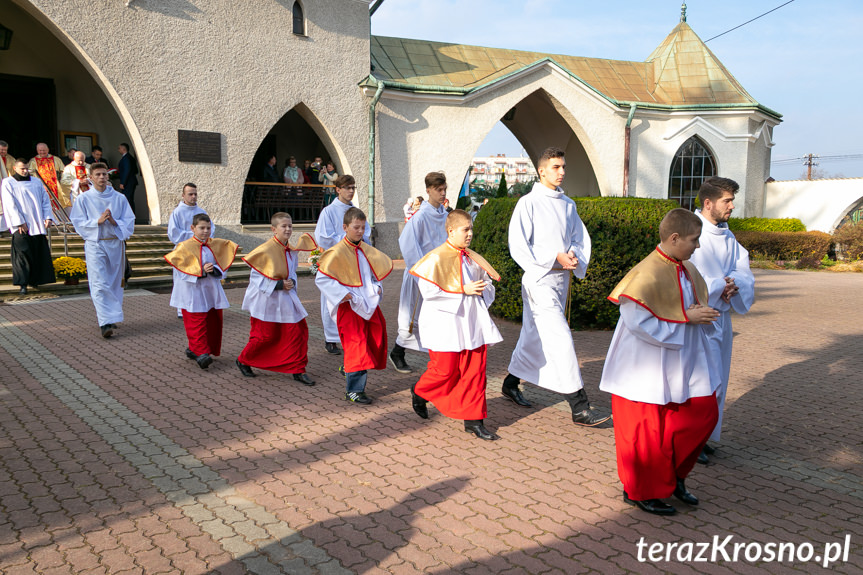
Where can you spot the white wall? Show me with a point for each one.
(819, 204)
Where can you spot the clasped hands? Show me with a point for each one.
(567, 261)
(106, 217)
(730, 290)
(697, 313)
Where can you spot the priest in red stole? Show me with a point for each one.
(659, 369)
(456, 288)
(349, 277)
(279, 336)
(75, 178)
(49, 168)
(203, 262)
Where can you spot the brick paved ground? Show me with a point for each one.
(122, 456)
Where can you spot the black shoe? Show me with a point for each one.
(709, 450)
(398, 361)
(589, 418)
(204, 360)
(420, 406)
(358, 397)
(190, 354)
(684, 495)
(655, 506)
(333, 348)
(304, 379)
(703, 459)
(23, 290)
(245, 369)
(480, 431)
(107, 330)
(510, 391)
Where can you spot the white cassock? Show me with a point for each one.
(721, 256)
(200, 295)
(425, 231)
(263, 302)
(104, 248)
(25, 203)
(180, 230)
(328, 232)
(364, 299)
(70, 183)
(454, 322)
(655, 361)
(544, 223)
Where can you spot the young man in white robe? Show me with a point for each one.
(180, 224)
(278, 333)
(724, 264)
(328, 232)
(103, 218)
(456, 286)
(658, 369)
(27, 213)
(549, 242)
(202, 261)
(425, 231)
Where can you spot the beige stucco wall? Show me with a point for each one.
(220, 67)
(819, 204)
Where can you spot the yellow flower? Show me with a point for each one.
(70, 267)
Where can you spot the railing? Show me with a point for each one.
(303, 201)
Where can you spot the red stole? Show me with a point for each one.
(47, 173)
(81, 172)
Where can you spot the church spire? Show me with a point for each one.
(683, 12)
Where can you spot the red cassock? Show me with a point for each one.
(364, 341)
(204, 331)
(454, 382)
(659, 444)
(280, 347)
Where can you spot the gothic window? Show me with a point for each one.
(693, 163)
(299, 20)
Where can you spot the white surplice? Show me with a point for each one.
(70, 183)
(721, 256)
(263, 302)
(364, 299)
(25, 203)
(104, 248)
(545, 222)
(454, 321)
(200, 294)
(180, 230)
(328, 232)
(655, 361)
(425, 231)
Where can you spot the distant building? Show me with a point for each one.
(489, 170)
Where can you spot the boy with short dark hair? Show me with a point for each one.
(278, 336)
(455, 283)
(203, 262)
(658, 369)
(349, 277)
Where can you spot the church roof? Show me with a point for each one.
(681, 73)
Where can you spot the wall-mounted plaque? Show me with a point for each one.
(200, 147)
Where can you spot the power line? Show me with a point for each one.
(748, 21)
(830, 158)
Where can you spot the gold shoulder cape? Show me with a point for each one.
(268, 259)
(186, 257)
(341, 262)
(442, 267)
(655, 285)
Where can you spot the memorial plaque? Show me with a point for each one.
(201, 147)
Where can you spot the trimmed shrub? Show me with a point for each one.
(766, 225)
(849, 241)
(785, 245)
(623, 231)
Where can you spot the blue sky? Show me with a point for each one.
(804, 60)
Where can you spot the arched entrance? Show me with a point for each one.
(299, 135)
(50, 93)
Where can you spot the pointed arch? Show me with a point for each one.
(299, 19)
(693, 163)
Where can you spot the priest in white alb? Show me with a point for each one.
(180, 224)
(724, 264)
(76, 177)
(425, 231)
(103, 218)
(548, 240)
(328, 232)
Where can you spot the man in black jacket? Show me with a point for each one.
(127, 169)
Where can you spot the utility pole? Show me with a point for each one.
(809, 161)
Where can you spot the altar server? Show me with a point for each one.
(180, 224)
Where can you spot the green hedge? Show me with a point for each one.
(785, 245)
(623, 231)
(766, 225)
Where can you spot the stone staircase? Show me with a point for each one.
(144, 250)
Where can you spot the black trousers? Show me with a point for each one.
(31, 260)
(129, 191)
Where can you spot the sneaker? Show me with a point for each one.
(358, 397)
(342, 371)
(398, 361)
